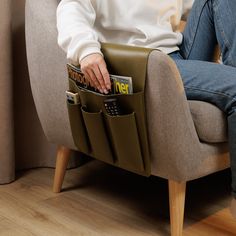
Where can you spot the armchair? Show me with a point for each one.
(184, 142)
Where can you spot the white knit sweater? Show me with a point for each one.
(82, 24)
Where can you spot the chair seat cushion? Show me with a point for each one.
(210, 122)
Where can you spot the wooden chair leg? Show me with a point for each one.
(177, 193)
(63, 156)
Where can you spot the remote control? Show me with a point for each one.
(72, 97)
(112, 107)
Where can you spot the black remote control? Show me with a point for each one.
(112, 107)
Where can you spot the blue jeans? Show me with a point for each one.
(211, 22)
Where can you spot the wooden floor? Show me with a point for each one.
(102, 200)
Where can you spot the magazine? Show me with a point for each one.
(119, 84)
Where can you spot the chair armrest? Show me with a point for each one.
(47, 69)
(174, 144)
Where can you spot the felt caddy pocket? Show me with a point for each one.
(120, 140)
(78, 130)
(100, 144)
(124, 134)
(125, 139)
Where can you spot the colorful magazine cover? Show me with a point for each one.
(119, 84)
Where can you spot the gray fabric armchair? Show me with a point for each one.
(184, 142)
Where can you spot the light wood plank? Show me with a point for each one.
(11, 228)
(100, 200)
(221, 224)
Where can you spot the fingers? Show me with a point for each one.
(100, 78)
(89, 76)
(94, 68)
(105, 75)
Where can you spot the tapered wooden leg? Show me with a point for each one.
(177, 193)
(63, 156)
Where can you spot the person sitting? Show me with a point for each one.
(84, 24)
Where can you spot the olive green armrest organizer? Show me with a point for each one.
(118, 140)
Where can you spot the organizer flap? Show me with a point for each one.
(127, 61)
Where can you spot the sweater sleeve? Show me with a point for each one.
(76, 36)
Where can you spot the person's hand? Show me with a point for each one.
(95, 71)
